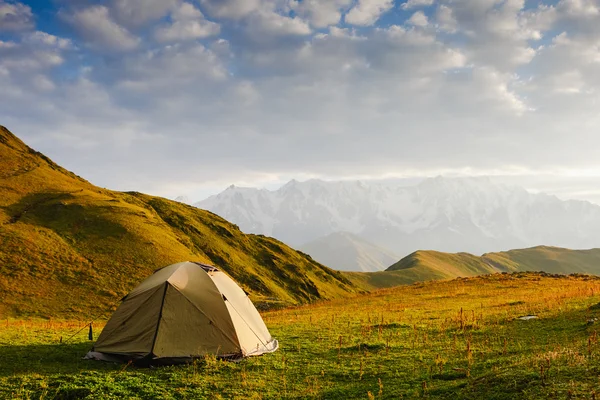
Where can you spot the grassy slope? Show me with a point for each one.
(423, 265)
(347, 252)
(432, 265)
(549, 259)
(456, 339)
(68, 247)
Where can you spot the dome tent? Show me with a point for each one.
(183, 311)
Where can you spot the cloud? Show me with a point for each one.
(173, 70)
(99, 30)
(367, 12)
(416, 3)
(266, 22)
(46, 39)
(321, 13)
(15, 17)
(418, 19)
(230, 9)
(134, 13)
(187, 22)
(445, 19)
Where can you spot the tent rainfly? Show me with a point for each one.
(183, 311)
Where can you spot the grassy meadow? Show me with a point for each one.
(449, 339)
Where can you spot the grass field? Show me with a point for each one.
(451, 339)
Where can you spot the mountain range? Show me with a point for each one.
(475, 215)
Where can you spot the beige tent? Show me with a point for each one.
(183, 311)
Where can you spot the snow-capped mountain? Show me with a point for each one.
(475, 215)
(183, 199)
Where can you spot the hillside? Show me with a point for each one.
(432, 265)
(548, 259)
(424, 265)
(344, 251)
(68, 247)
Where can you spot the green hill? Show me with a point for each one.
(68, 248)
(426, 265)
(548, 259)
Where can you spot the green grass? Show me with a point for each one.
(451, 339)
(69, 248)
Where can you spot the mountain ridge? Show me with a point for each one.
(472, 214)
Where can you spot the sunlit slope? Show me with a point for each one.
(424, 266)
(68, 247)
(433, 265)
(549, 259)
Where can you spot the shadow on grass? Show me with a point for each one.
(46, 359)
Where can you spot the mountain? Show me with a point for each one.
(344, 251)
(431, 265)
(475, 215)
(182, 199)
(69, 248)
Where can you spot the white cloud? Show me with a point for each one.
(418, 19)
(416, 3)
(266, 22)
(321, 13)
(232, 9)
(99, 31)
(134, 13)
(497, 34)
(46, 39)
(187, 23)
(579, 8)
(15, 16)
(445, 19)
(367, 12)
(21, 58)
(171, 70)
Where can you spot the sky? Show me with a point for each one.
(174, 97)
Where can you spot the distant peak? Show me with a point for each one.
(291, 184)
(183, 199)
(444, 181)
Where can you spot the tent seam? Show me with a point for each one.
(162, 303)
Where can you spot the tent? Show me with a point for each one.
(183, 311)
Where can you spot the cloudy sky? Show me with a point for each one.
(184, 97)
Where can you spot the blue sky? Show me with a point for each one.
(184, 97)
